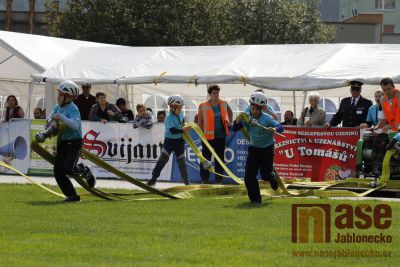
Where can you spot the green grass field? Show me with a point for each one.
(37, 230)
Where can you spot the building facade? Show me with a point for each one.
(363, 21)
(389, 8)
(25, 16)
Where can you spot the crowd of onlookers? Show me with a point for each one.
(354, 111)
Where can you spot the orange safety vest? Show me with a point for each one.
(392, 112)
(208, 118)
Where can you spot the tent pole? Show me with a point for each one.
(130, 94)
(117, 93)
(294, 103)
(50, 97)
(28, 105)
(304, 99)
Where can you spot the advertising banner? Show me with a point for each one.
(316, 153)
(133, 151)
(235, 158)
(15, 145)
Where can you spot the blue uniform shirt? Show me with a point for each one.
(373, 115)
(173, 121)
(219, 130)
(258, 136)
(69, 114)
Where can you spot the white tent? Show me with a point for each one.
(146, 71)
(22, 55)
(280, 67)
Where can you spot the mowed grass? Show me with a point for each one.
(36, 230)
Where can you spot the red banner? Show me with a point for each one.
(316, 153)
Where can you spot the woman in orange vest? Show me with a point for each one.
(215, 119)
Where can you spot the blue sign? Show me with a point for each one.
(235, 158)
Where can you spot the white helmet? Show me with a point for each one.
(176, 100)
(258, 98)
(69, 87)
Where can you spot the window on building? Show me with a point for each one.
(388, 28)
(277, 109)
(329, 107)
(20, 6)
(156, 103)
(238, 105)
(385, 4)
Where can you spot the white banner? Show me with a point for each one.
(15, 145)
(133, 151)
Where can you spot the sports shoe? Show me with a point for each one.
(89, 177)
(274, 182)
(218, 181)
(76, 198)
(151, 182)
(186, 181)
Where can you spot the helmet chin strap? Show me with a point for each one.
(260, 110)
(64, 102)
(173, 108)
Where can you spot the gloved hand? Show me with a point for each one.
(51, 130)
(40, 137)
(207, 165)
(391, 144)
(253, 122)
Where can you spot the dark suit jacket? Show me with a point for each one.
(351, 117)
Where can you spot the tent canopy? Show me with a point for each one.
(280, 67)
(24, 54)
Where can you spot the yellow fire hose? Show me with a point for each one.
(180, 192)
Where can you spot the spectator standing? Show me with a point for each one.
(313, 115)
(127, 114)
(104, 111)
(289, 118)
(13, 111)
(352, 110)
(373, 112)
(215, 119)
(161, 116)
(38, 113)
(85, 101)
(390, 106)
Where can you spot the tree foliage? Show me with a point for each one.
(190, 22)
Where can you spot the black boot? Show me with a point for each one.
(151, 182)
(89, 177)
(273, 181)
(72, 199)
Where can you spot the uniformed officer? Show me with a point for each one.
(352, 110)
